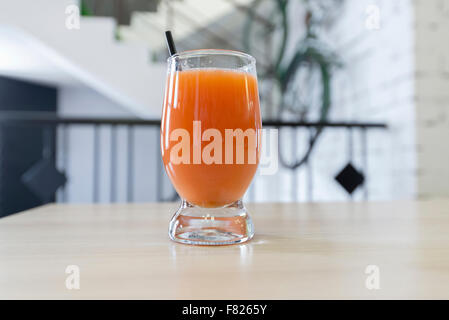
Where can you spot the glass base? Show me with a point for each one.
(195, 225)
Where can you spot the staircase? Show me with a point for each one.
(91, 54)
(201, 22)
(129, 70)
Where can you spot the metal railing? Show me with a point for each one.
(50, 121)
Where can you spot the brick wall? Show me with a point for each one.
(376, 83)
(432, 97)
(398, 74)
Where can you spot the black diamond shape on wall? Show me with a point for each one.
(349, 178)
(43, 179)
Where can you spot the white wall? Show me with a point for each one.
(376, 84)
(397, 74)
(79, 101)
(432, 97)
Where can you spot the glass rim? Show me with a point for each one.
(206, 52)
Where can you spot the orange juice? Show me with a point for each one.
(219, 99)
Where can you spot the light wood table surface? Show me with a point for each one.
(309, 251)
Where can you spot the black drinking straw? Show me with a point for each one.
(170, 43)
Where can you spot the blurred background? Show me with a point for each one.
(358, 89)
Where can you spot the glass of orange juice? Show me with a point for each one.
(210, 142)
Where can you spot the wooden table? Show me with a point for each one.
(299, 251)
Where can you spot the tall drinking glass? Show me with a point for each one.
(210, 143)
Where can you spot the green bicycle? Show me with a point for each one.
(299, 83)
